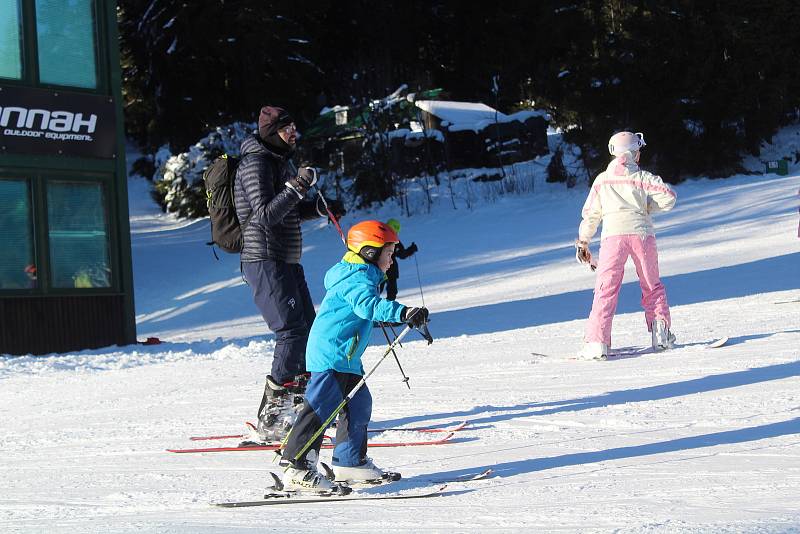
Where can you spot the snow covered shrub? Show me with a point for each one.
(178, 181)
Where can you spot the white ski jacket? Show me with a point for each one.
(623, 197)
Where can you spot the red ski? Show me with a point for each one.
(276, 446)
(456, 428)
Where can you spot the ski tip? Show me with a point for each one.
(460, 426)
(718, 343)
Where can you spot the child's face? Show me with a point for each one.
(385, 259)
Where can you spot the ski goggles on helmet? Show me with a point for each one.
(622, 142)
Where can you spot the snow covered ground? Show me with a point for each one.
(691, 440)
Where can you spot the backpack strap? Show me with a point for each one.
(233, 196)
(275, 173)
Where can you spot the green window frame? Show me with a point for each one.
(18, 261)
(58, 44)
(11, 40)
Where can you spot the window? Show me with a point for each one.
(78, 235)
(17, 265)
(67, 42)
(10, 40)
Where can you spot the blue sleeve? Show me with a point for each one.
(363, 298)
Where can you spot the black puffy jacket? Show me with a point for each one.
(273, 231)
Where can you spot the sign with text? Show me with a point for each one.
(43, 121)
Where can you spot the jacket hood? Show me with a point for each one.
(625, 163)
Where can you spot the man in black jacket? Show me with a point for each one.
(270, 193)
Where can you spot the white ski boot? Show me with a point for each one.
(593, 351)
(304, 477)
(366, 473)
(662, 338)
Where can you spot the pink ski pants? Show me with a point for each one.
(614, 252)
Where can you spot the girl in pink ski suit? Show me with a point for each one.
(623, 197)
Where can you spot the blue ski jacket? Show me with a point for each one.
(343, 326)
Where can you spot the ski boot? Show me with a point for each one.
(662, 338)
(279, 407)
(302, 477)
(593, 351)
(366, 473)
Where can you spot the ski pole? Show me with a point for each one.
(331, 217)
(350, 395)
(419, 280)
(395, 335)
(389, 341)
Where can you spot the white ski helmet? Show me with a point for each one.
(622, 142)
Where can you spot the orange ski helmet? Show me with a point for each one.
(367, 238)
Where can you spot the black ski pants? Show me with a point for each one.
(281, 295)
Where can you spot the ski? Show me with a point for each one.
(718, 343)
(426, 430)
(390, 477)
(483, 475)
(632, 352)
(622, 353)
(275, 446)
(291, 499)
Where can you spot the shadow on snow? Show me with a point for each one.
(488, 414)
(689, 288)
(729, 437)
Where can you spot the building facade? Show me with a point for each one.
(66, 279)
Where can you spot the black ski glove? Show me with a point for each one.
(415, 317)
(337, 208)
(305, 180)
(412, 249)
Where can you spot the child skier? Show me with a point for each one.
(623, 197)
(336, 342)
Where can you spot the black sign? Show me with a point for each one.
(40, 121)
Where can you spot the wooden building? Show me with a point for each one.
(66, 279)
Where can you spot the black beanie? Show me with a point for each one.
(271, 119)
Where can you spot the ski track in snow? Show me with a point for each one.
(689, 440)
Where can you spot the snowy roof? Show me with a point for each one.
(471, 115)
(458, 113)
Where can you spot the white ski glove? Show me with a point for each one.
(583, 254)
(305, 180)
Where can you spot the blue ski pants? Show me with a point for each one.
(324, 393)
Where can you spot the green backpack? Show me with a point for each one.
(226, 232)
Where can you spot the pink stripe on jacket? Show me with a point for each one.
(623, 197)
